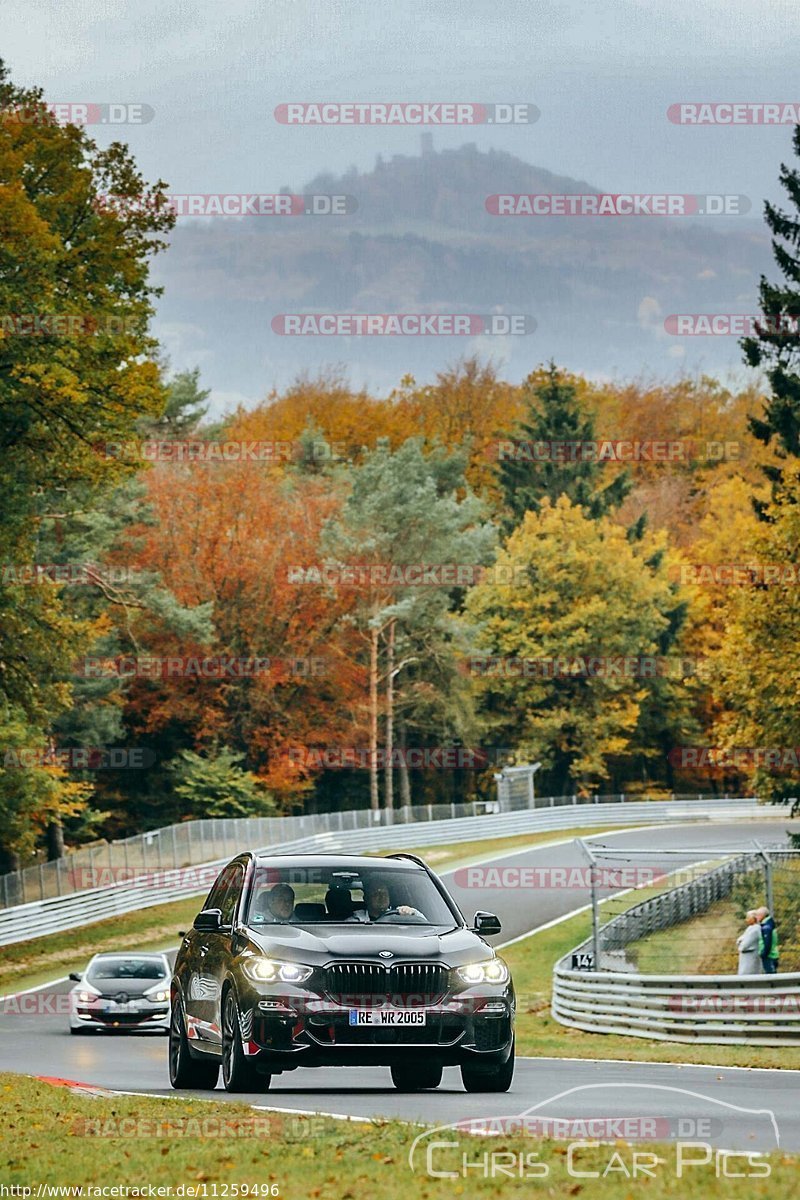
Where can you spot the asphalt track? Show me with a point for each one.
(740, 1109)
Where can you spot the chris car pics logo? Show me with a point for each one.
(598, 1126)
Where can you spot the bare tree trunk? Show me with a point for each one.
(405, 785)
(9, 860)
(55, 841)
(374, 798)
(389, 776)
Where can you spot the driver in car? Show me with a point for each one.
(379, 904)
(281, 902)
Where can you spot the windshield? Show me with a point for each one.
(126, 968)
(332, 895)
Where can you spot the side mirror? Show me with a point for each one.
(209, 918)
(75, 976)
(486, 923)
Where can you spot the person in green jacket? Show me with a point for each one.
(768, 944)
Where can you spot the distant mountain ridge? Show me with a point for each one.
(422, 240)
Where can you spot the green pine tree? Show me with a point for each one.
(555, 415)
(776, 346)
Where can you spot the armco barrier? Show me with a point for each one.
(26, 921)
(757, 1010)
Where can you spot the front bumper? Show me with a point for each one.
(94, 1016)
(288, 1027)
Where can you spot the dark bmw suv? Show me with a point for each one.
(319, 960)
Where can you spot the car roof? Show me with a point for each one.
(156, 956)
(341, 862)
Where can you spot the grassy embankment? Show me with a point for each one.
(54, 1136)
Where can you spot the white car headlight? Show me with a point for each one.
(85, 997)
(160, 995)
(493, 970)
(271, 970)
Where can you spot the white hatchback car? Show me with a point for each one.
(121, 992)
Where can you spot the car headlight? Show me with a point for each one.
(87, 997)
(493, 970)
(271, 970)
(158, 995)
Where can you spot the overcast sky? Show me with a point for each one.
(602, 72)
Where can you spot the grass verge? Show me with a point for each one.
(445, 858)
(53, 1136)
(27, 964)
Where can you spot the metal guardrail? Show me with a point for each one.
(166, 883)
(758, 1010)
(192, 842)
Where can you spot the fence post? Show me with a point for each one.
(595, 914)
(767, 874)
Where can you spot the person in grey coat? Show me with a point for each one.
(748, 946)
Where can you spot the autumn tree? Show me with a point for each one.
(404, 509)
(78, 225)
(580, 590)
(239, 538)
(466, 409)
(757, 668)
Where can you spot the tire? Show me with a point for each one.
(77, 1031)
(238, 1073)
(416, 1077)
(185, 1071)
(478, 1077)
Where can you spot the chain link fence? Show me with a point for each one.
(692, 913)
(192, 842)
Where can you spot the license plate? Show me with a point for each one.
(120, 1008)
(389, 1016)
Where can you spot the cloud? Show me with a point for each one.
(650, 316)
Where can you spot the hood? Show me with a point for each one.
(317, 945)
(133, 988)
